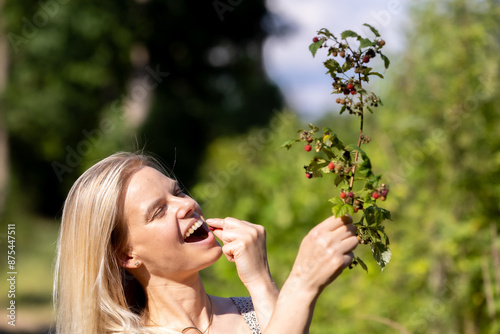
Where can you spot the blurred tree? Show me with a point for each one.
(446, 165)
(83, 75)
(4, 165)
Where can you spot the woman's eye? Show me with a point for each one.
(159, 212)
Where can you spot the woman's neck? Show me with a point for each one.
(177, 304)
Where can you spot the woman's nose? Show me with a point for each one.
(186, 207)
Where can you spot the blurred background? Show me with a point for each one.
(213, 89)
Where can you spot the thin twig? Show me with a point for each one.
(351, 183)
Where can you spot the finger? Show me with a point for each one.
(233, 223)
(349, 244)
(348, 258)
(230, 251)
(215, 223)
(218, 233)
(332, 223)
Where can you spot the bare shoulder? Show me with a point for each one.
(227, 318)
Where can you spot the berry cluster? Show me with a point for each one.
(353, 59)
(349, 70)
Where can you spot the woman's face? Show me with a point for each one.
(159, 216)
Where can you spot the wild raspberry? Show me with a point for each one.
(381, 42)
(350, 86)
(375, 195)
(384, 192)
(315, 39)
(353, 92)
(346, 91)
(342, 54)
(307, 147)
(309, 175)
(350, 194)
(338, 100)
(366, 59)
(382, 198)
(356, 210)
(331, 166)
(343, 195)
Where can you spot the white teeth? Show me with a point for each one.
(193, 228)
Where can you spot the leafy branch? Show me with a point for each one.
(349, 70)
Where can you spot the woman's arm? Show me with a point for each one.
(324, 253)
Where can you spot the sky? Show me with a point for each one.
(288, 61)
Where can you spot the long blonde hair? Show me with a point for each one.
(92, 293)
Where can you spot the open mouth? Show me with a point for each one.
(197, 232)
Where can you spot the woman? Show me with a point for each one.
(132, 244)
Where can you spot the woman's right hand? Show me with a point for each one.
(323, 254)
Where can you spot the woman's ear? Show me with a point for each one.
(128, 260)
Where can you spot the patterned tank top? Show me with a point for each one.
(245, 307)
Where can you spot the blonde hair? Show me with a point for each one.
(92, 292)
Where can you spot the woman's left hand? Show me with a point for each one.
(244, 244)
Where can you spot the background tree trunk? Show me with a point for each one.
(4, 147)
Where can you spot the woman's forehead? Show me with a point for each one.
(147, 185)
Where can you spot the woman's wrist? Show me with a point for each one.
(264, 287)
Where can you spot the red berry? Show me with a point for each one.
(384, 192)
(351, 194)
(315, 39)
(331, 166)
(375, 195)
(346, 91)
(353, 91)
(309, 175)
(343, 195)
(356, 210)
(350, 86)
(366, 59)
(307, 147)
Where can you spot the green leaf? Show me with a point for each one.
(325, 32)
(349, 33)
(377, 74)
(364, 163)
(288, 144)
(315, 46)
(336, 200)
(338, 180)
(332, 65)
(375, 31)
(361, 263)
(375, 215)
(346, 66)
(341, 210)
(365, 42)
(387, 62)
(381, 253)
(344, 107)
